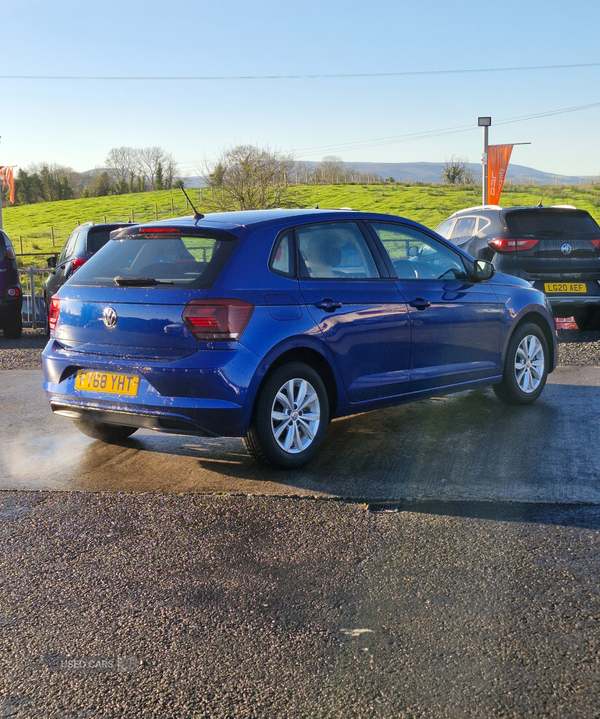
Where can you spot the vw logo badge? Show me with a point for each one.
(109, 317)
(566, 249)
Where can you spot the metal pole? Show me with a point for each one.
(485, 165)
(484, 122)
(32, 297)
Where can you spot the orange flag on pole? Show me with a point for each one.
(8, 180)
(498, 159)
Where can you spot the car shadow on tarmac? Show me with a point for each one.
(466, 447)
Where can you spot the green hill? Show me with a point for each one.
(32, 225)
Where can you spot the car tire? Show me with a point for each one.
(525, 366)
(109, 433)
(13, 329)
(290, 417)
(588, 319)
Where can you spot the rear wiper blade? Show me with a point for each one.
(140, 281)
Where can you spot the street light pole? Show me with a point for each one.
(484, 122)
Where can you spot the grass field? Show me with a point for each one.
(429, 204)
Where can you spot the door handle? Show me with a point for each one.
(419, 303)
(328, 305)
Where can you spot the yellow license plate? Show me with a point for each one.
(565, 287)
(108, 382)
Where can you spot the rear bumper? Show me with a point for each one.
(158, 421)
(565, 306)
(205, 394)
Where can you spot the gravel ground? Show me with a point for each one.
(24, 353)
(575, 348)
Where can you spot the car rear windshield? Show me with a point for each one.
(97, 239)
(2, 247)
(174, 261)
(551, 222)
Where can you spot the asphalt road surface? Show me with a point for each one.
(181, 580)
(463, 446)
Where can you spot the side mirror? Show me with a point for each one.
(483, 270)
(51, 262)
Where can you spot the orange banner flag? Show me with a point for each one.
(8, 180)
(498, 159)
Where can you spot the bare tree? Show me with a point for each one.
(122, 164)
(456, 170)
(330, 169)
(149, 158)
(170, 169)
(247, 177)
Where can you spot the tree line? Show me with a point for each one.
(127, 170)
(241, 177)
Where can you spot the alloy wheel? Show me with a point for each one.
(529, 364)
(295, 415)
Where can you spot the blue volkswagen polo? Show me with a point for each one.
(268, 324)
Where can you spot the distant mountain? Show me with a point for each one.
(431, 172)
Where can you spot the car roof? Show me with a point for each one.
(238, 220)
(520, 208)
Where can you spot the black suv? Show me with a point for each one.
(11, 297)
(81, 244)
(556, 249)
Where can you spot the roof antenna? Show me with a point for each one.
(541, 201)
(197, 215)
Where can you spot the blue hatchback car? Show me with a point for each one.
(268, 324)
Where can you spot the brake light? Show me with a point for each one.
(217, 319)
(503, 244)
(13, 292)
(53, 313)
(596, 244)
(77, 262)
(158, 230)
(10, 253)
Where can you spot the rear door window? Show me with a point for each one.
(336, 249)
(177, 261)
(464, 229)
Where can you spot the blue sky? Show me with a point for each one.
(77, 122)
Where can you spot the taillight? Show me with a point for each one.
(503, 244)
(217, 319)
(596, 244)
(10, 253)
(53, 313)
(77, 262)
(12, 292)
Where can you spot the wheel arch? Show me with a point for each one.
(313, 359)
(537, 319)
